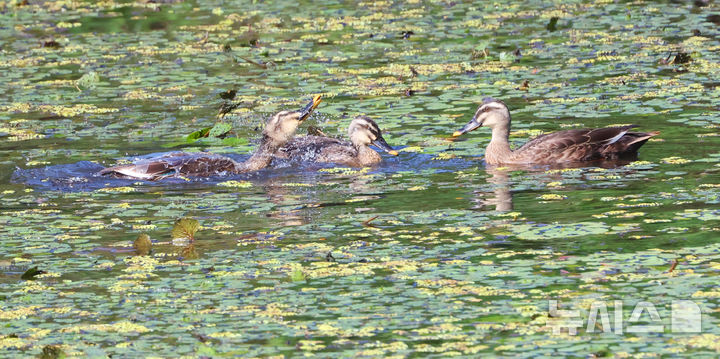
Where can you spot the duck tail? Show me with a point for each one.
(632, 141)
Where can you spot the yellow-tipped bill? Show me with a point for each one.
(305, 112)
(316, 101)
(380, 142)
(473, 124)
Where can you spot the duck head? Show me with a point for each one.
(492, 113)
(281, 127)
(363, 132)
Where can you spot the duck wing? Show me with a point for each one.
(174, 165)
(572, 145)
(628, 144)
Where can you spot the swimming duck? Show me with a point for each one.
(362, 132)
(610, 143)
(278, 131)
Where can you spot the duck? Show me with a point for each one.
(362, 132)
(278, 130)
(579, 145)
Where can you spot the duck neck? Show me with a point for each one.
(367, 156)
(262, 156)
(498, 151)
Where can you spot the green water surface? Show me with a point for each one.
(458, 260)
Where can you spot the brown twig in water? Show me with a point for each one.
(263, 66)
(367, 223)
(247, 236)
(226, 108)
(413, 71)
(314, 131)
(672, 267)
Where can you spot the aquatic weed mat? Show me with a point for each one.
(429, 254)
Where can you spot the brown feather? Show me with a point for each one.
(174, 164)
(582, 145)
(332, 150)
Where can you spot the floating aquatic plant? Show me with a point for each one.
(428, 254)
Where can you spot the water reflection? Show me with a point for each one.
(501, 183)
(281, 195)
(293, 188)
(501, 199)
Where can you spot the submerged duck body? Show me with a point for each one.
(278, 131)
(174, 165)
(354, 153)
(581, 145)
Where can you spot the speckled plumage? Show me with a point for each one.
(173, 164)
(362, 132)
(183, 164)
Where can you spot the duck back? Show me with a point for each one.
(583, 145)
(177, 164)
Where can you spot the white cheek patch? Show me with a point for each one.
(360, 138)
(289, 127)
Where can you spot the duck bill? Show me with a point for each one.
(380, 143)
(473, 124)
(305, 112)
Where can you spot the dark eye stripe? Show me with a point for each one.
(372, 127)
(374, 131)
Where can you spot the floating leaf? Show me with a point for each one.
(189, 252)
(52, 44)
(235, 184)
(194, 136)
(552, 24)
(557, 230)
(142, 245)
(228, 95)
(52, 352)
(220, 130)
(88, 80)
(296, 273)
(31, 273)
(226, 108)
(204, 350)
(185, 228)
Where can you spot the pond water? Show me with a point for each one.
(427, 254)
